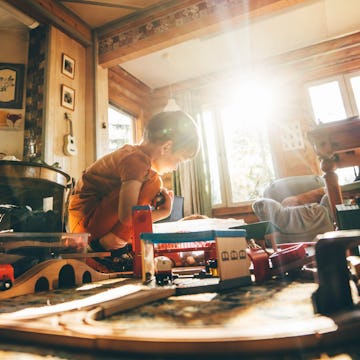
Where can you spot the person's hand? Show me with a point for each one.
(164, 207)
(167, 200)
(290, 201)
(112, 242)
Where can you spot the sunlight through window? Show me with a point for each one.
(120, 128)
(327, 102)
(238, 146)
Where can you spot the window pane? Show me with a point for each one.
(355, 84)
(346, 175)
(120, 128)
(211, 148)
(327, 102)
(248, 155)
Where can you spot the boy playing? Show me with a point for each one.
(105, 194)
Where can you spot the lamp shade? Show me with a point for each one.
(172, 105)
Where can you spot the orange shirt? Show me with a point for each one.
(107, 173)
(103, 179)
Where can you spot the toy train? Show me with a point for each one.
(6, 276)
(163, 270)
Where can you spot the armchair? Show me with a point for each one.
(297, 206)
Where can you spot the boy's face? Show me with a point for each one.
(168, 160)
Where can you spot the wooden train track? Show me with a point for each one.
(77, 324)
(48, 273)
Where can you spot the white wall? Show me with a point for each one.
(14, 49)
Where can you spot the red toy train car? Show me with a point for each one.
(6, 276)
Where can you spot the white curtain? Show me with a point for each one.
(190, 179)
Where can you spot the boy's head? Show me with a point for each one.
(176, 126)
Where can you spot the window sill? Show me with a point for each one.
(243, 211)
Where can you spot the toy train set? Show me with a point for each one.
(220, 259)
(229, 258)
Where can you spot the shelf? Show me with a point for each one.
(7, 128)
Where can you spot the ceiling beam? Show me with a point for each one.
(183, 21)
(51, 12)
(102, 3)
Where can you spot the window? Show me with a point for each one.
(327, 102)
(334, 99)
(120, 128)
(238, 153)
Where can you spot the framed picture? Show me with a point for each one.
(67, 97)
(11, 85)
(68, 66)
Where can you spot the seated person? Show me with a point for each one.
(299, 218)
(107, 191)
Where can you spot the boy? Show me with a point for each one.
(104, 196)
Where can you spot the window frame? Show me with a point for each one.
(346, 92)
(120, 110)
(348, 97)
(223, 168)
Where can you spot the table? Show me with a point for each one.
(338, 145)
(28, 183)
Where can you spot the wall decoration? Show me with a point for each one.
(67, 97)
(68, 66)
(291, 137)
(11, 85)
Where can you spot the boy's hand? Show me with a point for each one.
(112, 242)
(167, 198)
(163, 207)
(161, 198)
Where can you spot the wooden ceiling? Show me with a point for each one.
(100, 13)
(128, 30)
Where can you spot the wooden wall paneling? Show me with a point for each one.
(127, 92)
(56, 124)
(131, 95)
(90, 128)
(101, 110)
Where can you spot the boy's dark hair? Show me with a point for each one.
(177, 126)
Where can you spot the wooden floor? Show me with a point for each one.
(126, 318)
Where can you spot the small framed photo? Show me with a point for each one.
(68, 66)
(67, 97)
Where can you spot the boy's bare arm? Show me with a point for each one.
(128, 198)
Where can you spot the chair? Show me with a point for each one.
(296, 223)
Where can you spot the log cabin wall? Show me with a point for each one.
(131, 95)
(293, 69)
(57, 126)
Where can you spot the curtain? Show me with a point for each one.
(191, 179)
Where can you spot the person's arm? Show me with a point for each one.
(312, 196)
(128, 198)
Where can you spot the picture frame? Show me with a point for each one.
(67, 97)
(11, 85)
(68, 66)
